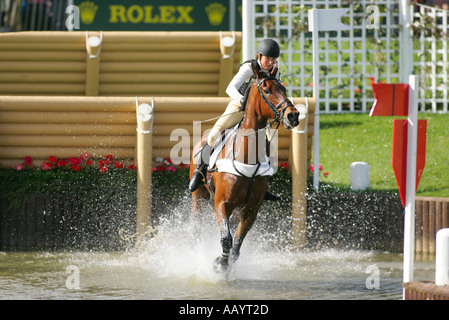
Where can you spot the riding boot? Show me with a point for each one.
(200, 172)
(271, 196)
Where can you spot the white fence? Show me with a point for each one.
(431, 53)
(350, 60)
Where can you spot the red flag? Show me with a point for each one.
(390, 99)
(399, 159)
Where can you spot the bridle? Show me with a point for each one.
(278, 110)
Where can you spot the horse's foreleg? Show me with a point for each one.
(244, 226)
(221, 263)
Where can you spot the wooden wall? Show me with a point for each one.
(125, 64)
(67, 126)
(432, 214)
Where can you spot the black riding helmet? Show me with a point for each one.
(269, 48)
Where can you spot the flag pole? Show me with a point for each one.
(409, 218)
(313, 22)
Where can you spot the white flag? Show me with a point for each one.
(328, 19)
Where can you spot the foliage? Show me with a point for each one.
(92, 181)
(75, 176)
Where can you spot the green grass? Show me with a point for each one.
(346, 138)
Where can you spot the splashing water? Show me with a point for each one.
(177, 264)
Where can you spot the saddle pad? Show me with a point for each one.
(230, 166)
(218, 147)
(236, 167)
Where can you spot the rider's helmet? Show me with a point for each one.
(269, 48)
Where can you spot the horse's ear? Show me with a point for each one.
(274, 71)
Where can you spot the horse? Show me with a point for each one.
(244, 194)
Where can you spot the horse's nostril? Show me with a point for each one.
(293, 119)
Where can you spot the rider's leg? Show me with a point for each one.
(230, 117)
(200, 171)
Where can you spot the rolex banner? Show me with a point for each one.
(160, 15)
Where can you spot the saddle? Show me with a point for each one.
(230, 165)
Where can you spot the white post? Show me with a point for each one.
(298, 168)
(313, 22)
(412, 140)
(406, 19)
(145, 120)
(247, 29)
(442, 258)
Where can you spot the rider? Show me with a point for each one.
(267, 53)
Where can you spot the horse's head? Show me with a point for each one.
(275, 103)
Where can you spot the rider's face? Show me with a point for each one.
(267, 62)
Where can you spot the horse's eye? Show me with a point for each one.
(266, 91)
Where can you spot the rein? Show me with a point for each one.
(276, 109)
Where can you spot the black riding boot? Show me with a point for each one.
(271, 196)
(200, 172)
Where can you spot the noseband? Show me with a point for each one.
(278, 110)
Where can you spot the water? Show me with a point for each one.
(173, 265)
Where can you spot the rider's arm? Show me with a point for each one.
(244, 74)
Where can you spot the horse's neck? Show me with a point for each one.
(252, 119)
(249, 146)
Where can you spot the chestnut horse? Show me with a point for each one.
(243, 195)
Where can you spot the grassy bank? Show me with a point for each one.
(346, 138)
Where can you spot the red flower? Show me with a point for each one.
(85, 155)
(132, 167)
(88, 162)
(119, 165)
(52, 159)
(326, 173)
(61, 163)
(76, 167)
(109, 157)
(103, 169)
(75, 161)
(28, 161)
(171, 168)
(284, 165)
(46, 165)
(182, 166)
(17, 167)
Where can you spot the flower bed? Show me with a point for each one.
(82, 177)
